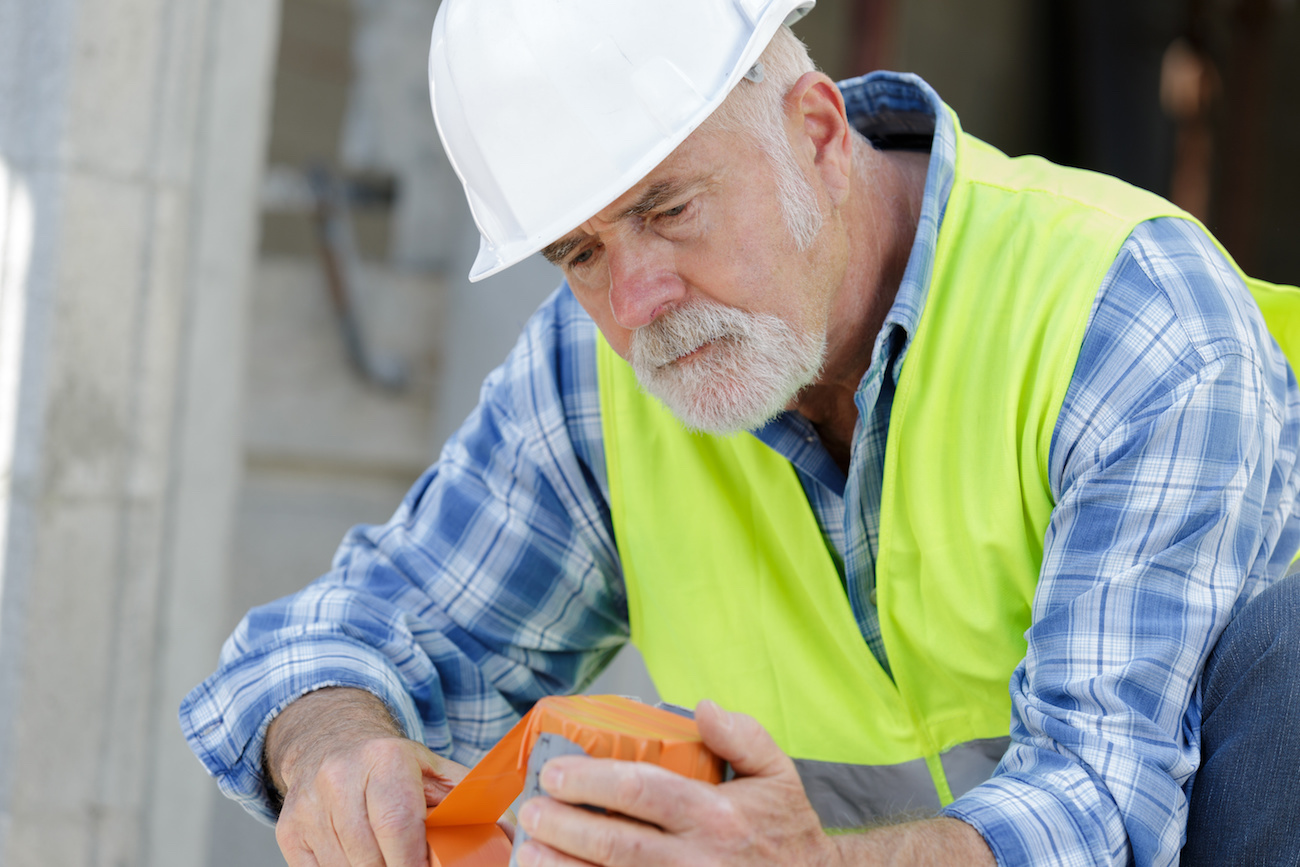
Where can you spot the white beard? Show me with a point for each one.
(753, 365)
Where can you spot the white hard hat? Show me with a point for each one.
(551, 109)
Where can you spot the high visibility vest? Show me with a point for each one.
(732, 593)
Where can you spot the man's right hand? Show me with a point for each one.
(355, 790)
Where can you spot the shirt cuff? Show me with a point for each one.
(225, 718)
(1049, 819)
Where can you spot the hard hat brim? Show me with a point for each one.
(503, 240)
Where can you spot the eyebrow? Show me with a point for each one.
(559, 251)
(655, 196)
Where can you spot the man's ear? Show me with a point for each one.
(819, 127)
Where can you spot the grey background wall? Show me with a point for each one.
(131, 141)
(182, 431)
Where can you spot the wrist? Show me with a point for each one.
(833, 851)
(316, 724)
(938, 842)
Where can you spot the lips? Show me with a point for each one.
(666, 345)
(687, 356)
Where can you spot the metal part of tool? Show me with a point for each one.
(548, 746)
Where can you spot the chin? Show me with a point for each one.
(722, 411)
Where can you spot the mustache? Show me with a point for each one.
(683, 330)
(756, 364)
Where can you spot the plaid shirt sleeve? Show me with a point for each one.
(495, 583)
(1174, 470)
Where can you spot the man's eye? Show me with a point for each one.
(674, 212)
(583, 257)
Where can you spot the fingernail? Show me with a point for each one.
(528, 817)
(552, 777)
(716, 709)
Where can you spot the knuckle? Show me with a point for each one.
(631, 791)
(292, 842)
(396, 758)
(286, 835)
(608, 847)
(632, 851)
(722, 814)
(295, 816)
(392, 819)
(381, 752)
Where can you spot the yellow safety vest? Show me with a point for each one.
(732, 593)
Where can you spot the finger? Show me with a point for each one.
(507, 823)
(739, 739)
(610, 841)
(637, 789)
(302, 858)
(366, 806)
(440, 775)
(357, 843)
(400, 837)
(295, 852)
(534, 854)
(306, 835)
(395, 808)
(342, 833)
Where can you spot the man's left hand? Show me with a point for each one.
(662, 818)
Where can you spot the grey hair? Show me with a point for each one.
(757, 108)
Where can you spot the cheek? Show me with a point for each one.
(743, 273)
(619, 338)
(752, 257)
(597, 307)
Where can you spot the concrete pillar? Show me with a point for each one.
(131, 141)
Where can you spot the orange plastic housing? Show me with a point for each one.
(462, 830)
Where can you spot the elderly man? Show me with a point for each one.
(999, 422)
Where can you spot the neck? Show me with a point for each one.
(879, 222)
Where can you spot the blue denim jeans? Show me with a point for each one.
(1245, 807)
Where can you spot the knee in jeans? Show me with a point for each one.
(1268, 628)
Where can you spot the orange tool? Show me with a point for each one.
(462, 830)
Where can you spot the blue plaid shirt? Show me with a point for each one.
(1172, 464)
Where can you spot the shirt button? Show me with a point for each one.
(871, 597)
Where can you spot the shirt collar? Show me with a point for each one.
(892, 110)
(895, 109)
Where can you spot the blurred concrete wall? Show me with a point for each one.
(131, 139)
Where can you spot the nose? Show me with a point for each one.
(643, 280)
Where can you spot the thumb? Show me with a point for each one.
(739, 739)
(439, 775)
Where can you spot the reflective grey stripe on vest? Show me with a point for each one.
(854, 796)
